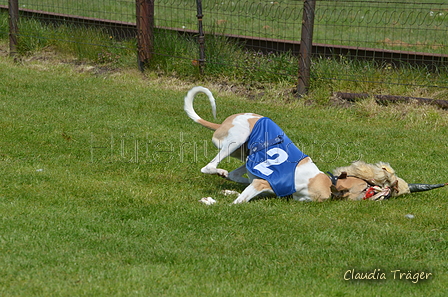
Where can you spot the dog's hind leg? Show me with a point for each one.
(227, 147)
(228, 138)
(225, 151)
(257, 187)
(237, 175)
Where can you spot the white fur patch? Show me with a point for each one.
(208, 200)
(302, 177)
(229, 192)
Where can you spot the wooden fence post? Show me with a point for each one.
(145, 31)
(306, 45)
(201, 38)
(13, 8)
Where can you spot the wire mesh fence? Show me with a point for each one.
(395, 25)
(390, 42)
(118, 10)
(385, 35)
(89, 29)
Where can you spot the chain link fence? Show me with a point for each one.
(390, 42)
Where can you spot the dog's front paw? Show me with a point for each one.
(238, 201)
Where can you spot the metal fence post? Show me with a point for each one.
(201, 38)
(306, 44)
(13, 8)
(145, 31)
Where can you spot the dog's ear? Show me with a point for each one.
(343, 175)
(394, 187)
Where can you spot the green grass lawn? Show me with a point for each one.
(100, 182)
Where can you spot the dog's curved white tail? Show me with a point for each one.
(188, 107)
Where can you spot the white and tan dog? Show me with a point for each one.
(235, 137)
(231, 137)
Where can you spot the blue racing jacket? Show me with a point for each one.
(273, 156)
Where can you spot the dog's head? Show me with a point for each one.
(361, 181)
(355, 188)
(351, 188)
(367, 181)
